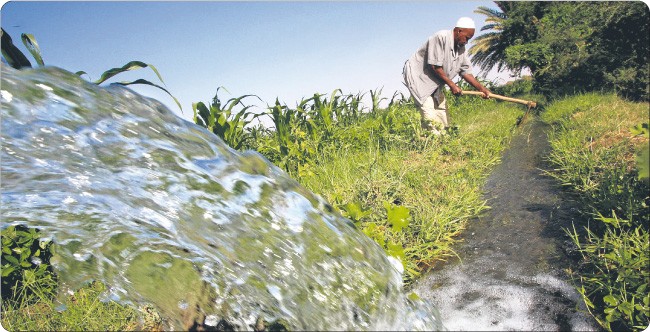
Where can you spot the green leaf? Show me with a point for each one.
(114, 71)
(354, 211)
(398, 216)
(15, 58)
(201, 112)
(640, 129)
(627, 308)
(81, 73)
(7, 270)
(11, 259)
(413, 297)
(32, 46)
(145, 82)
(610, 300)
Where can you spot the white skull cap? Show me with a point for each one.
(465, 22)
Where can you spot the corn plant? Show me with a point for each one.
(399, 99)
(324, 112)
(220, 119)
(293, 152)
(350, 109)
(16, 59)
(376, 98)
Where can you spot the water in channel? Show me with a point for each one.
(163, 212)
(510, 275)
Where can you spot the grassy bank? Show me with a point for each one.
(29, 293)
(436, 182)
(410, 192)
(596, 143)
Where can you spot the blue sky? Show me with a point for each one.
(284, 50)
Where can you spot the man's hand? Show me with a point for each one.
(478, 86)
(486, 93)
(455, 90)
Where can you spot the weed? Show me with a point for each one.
(596, 140)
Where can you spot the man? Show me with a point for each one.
(435, 64)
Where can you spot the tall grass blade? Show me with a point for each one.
(145, 82)
(133, 65)
(32, 46)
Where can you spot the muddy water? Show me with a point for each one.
(510, 275)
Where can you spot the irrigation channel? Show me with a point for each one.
(510, 275)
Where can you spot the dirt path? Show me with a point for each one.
(511, 276)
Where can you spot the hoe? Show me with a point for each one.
(530, 104)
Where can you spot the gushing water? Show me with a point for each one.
(164, 212)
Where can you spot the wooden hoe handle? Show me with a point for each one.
(495, 96)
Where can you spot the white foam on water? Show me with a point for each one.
(471, 299)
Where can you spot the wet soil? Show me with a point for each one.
(511, 272)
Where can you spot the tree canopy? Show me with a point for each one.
(569, 46)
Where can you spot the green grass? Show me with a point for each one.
(594, 153)
(30, 287)
(438, 179)
(84, 310)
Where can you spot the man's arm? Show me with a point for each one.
(475, 83)
(437, 70)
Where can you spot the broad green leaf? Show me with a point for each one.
(626, 307)
(355, 211)
(7, 270)
(201, 112)
(398, 216)
(641, 129)
(610, 300)
(11, 259)
(32, 46)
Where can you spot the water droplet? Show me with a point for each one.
(6, 95)
(44, 87)
(211, 320)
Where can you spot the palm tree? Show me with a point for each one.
(512, 25)
(489, 48)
